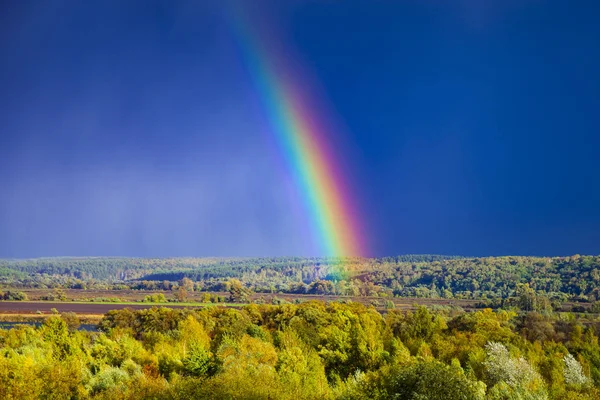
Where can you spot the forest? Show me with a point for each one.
(312, 350)
(516, 343)
(575, 278)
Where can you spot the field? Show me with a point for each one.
(75, 301)
(133, 299)
(95, 285)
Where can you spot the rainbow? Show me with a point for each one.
(301, 137)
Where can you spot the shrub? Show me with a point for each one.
(14, 296)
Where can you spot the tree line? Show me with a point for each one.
(558, 278)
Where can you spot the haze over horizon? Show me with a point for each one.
(133, 128)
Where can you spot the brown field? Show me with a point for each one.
(34, 306)
(95, 308)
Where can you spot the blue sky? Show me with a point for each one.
(132, 128)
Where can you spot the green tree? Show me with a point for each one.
(420, 380)
(238, 293)
(181, 294)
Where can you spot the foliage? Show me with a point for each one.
(155, 298)
(513, 375)
(312, 350)
(430, 380)
(529, 283)
(13, 296)
(237, 292)
(574, 374)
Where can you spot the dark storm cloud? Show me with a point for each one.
(131, 128)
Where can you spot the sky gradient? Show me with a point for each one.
(132, 128)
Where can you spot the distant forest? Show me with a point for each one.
(429, 276)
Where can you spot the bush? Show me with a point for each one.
(14, 296)
(71, 319)
(155, 298)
